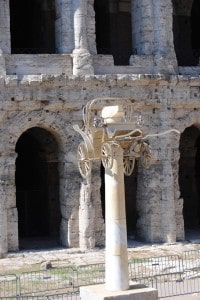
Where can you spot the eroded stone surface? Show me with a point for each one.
(40, 90)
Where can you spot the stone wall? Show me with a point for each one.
(49, 91)
(55, 104)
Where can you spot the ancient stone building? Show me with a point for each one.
(55, 56)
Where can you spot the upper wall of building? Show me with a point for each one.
(99, 37)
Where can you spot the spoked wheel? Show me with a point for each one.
(146, 155)
(129, 163)
(107, 156)
(84, 163)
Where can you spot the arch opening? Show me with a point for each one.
(32, 26)
(113, 19)
(37, 189)
(189, 178)
(186, 22)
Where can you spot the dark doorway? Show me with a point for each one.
(195, 25)
(114, 29)
(37, 188)
(32, 26)
(189, 176)
(131, 204)
(186, 22)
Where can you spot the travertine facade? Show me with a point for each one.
(56, 56)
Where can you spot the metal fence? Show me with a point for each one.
(171, 275)
(148, 267)
(66, 296)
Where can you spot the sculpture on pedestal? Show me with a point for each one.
(112, 132)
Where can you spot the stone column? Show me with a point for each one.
(8, 212)
(142, 27)
(167, 204)
(3, 220)
(86, 217)
(69, 201)
(5, 26)
(167, 180)
(64, 36)
(152, 35)
(82, 60)
(165, 58)
(4, 34)
(117, 278)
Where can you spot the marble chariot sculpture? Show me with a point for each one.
(109, 122)
(112, 132)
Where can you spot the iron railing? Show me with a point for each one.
(171, 275)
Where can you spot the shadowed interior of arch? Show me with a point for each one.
(189, 178)
(186, 22)
(32, 26)
(37, 189)
(112, 20)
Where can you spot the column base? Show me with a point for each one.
(135, 292)
(82, 62)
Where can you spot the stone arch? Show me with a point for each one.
(186, 15)
(32, 26)
(113, 18)
(189, 176)
(37, 188)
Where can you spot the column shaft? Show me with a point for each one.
(82, 60)
(116, 234)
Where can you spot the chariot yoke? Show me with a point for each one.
(108, 122)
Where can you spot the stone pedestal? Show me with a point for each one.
(82, 62)
(136, 292)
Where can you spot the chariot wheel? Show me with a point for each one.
(145, 155)
(129, 163)
(84, 163)
(107, 156)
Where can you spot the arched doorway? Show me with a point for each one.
(189, 177)
(32, 26)
(37, 189)
(113, 19)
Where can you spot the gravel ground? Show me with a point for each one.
(27, 260)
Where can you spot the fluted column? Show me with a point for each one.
(82, 60)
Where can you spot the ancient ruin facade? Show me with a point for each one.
(57, 55)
